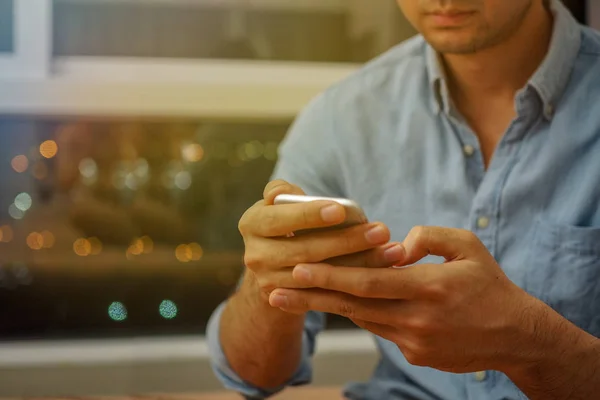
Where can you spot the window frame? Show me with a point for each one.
(32, 42)
(40, 84)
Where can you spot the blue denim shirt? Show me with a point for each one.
(389, 138)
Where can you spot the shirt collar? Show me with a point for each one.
(549, 81)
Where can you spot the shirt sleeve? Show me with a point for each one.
(314, 323)
(306, 159)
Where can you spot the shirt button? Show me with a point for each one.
(549, 110)
(483, 222)
(480, 376)
(469, 150)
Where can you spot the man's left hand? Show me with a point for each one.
(464, 315)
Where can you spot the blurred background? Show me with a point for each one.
(133, 135)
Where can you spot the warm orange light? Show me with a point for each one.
(183, 253)
(6, 234)
(196, 251)
(193, 152)
(48, 149)
(96, 246)
(20, 163)
(35, 241)
(39, 171)
(137, 247)
(48, 239)
(82, 247)
(148, 244)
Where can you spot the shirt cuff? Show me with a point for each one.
(231, 380)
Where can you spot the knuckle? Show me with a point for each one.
(345, 309)
(421, 325)
(369, 285)
(266, 285)
(420, 234)
(468, 236)
(305, 216)
(253, 260)
(269, 221)
(245, 223)
(435, 290)
(415, 354)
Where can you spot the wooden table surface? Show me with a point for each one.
(288, 394)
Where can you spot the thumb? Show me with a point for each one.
(452, 244)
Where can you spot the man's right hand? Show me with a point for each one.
(271, 255)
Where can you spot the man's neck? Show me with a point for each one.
(504, 69)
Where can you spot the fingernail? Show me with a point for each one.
(377, 235)
(394, 253)
(332, 213)
(278, 300)
(302, 273)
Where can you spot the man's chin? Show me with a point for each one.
(459, 47)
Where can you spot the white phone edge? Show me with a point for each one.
(355, 213)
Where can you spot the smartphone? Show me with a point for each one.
(354, 212)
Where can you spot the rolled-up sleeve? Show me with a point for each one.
(314, 323)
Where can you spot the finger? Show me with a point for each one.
(379, 257)
(280, 220)
(275, 279)
(384, 331)
(277, 187)
(305, 300)
(452, 244)
(385, 283)
(321, 246)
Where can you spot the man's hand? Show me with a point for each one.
(271, 255)
(461, 316)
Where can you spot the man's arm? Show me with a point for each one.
(256, 349)
(565, 360)
(263, 345)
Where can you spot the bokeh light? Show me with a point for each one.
(196, 251)
(48, 239)
(35, 241)
(183, 180)
(82, 247)
(20, 163)
(117, 311)
(148, 244)
(137, 247)
(88, 169)
(23, 201)
(6, 234)
(183, 253)
(168, 309)
(14, 212)
(192, 152)
(48, 149)
(96, 246)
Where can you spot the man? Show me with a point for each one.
(488, 122)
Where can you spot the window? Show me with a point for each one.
(285, 30)
(134, 134)
(7, 26)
